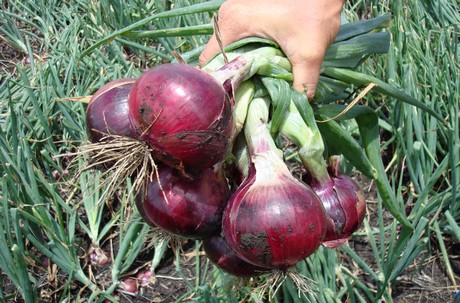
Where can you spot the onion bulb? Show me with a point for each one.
(107, 111)
(129, 285)
(344, 203)
(220, 253)
(273, 220)
(185, 207)
(183, 113)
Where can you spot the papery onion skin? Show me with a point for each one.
(183, 113)
(97, 256)
(129, 285)
(274, 224)
(146, 278)
(220, 253)
(193, 208)
(107, 111)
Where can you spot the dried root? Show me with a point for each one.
(118, 158)
(271, 283)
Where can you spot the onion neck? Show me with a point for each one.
(243, 96)
(235, 77)
(256, 128)
(241, 153)
(241, 66)
(310, 144)
(264, 154)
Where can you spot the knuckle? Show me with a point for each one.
(234, 15)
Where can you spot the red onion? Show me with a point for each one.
(185, 207)
(107, 111)
(183, 113)
(220, 253)
(129, 285)
(146, 278)
(345, 206)
(272, 220)
(139, 201)
(97, 256)
(342, 198)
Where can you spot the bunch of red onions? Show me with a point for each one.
(165, 109)
(199, 180)
(273, 220)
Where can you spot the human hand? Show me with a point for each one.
(304, 29)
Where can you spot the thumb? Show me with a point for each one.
(211, 48)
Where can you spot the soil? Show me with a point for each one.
(8, 59)
(170, 285)
(426, 279)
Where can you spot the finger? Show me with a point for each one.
(232, 25)
(228, 35)
(306, 76)
(211, 48)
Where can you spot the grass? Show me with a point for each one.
(56, 50)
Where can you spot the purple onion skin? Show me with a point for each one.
(274, 225)
(139, 201)
(345, 207)
(220, 253)
(129, 285)
(184, 114)
(146, 278)
(194, 207)
(107, 112)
